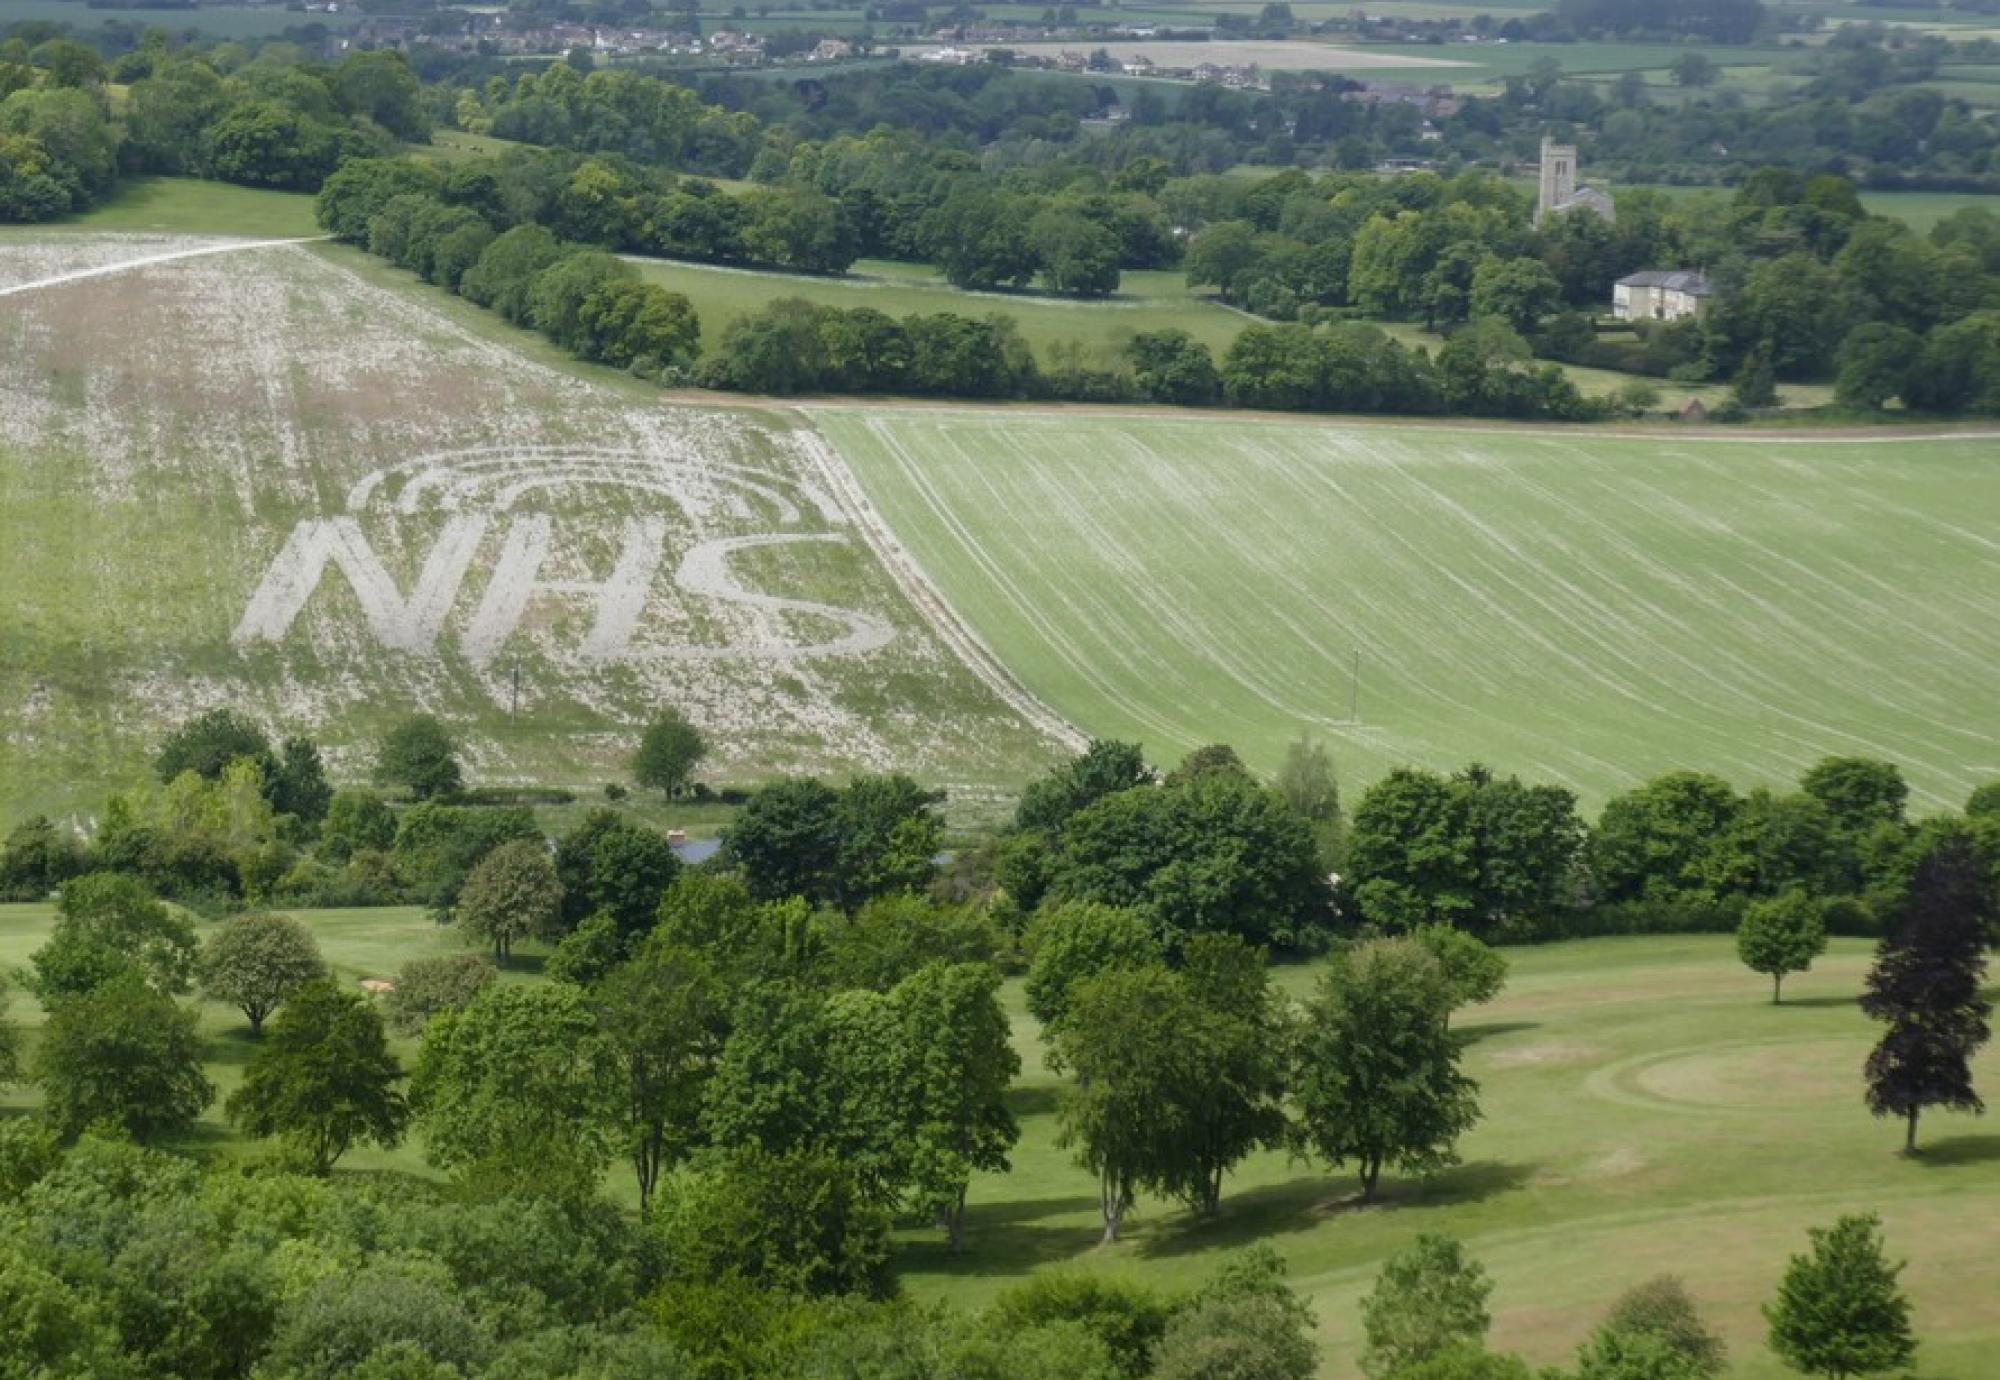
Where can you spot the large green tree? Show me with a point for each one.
(1178, 1075)
(209, 742)
(1077, 940)
(1122, 1042)
(255, 961)
(1472, 850)
(124, 1053)
(108, 924)
(513, 893)
(786, 840)
(419, 754)
(1212, 854)
(324, 1081)
(1378, 1081)
(519, 1092)
(669, 751)
(960, 1063)
(664, 1017)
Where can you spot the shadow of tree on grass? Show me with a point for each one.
(1307, 1202)
(1957, 1150)
(1473, 1034)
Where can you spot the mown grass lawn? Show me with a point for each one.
(1646, 1110)
(1575, 606)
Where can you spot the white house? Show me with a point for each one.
(1661, 295)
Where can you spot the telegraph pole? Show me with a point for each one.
(514, 706)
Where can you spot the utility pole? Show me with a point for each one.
(514, 706)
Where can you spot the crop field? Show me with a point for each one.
(1579, 607)
(1289, 55)
(1494, 60)
(1646, 1110)
(287, 479)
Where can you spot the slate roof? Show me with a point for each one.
(1691, 281)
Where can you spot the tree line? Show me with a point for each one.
(277, 122)
(1806, 286)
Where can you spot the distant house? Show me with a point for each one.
(1558, 190)
(1661, 295)
(830, 50)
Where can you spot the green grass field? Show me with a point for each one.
(1577, 607)
(1646, 1110)
(1146, 301)
(186, 205)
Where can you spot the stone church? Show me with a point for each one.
(1559, 190)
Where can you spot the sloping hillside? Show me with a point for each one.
(285, 479)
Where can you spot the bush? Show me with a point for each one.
(429, 987)
(1126, 1317)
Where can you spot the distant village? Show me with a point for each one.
(948, 45)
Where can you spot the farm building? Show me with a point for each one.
(1661, 295)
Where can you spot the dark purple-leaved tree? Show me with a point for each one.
(1925, 986)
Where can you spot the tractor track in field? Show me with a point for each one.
(150, 260)
(928, 600)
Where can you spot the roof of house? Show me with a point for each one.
(1691, 281)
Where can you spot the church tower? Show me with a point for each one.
(1558, 184)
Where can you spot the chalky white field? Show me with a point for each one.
(281, 477)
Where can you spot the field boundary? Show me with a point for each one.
(1195, 416)
(928, 599)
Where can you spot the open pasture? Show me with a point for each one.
(1145, 301)
(288, 479)
(1646, 1111)
(1580, 607)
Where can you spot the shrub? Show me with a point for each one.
(429, 987)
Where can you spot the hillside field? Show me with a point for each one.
(1646, 1110)
(1581, 607)
(291, 480)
